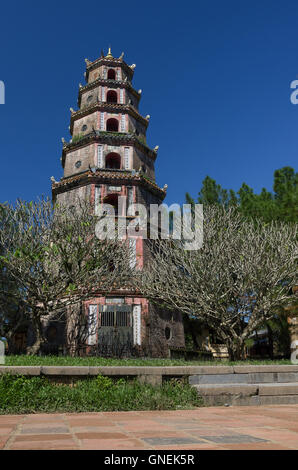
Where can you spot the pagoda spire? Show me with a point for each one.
(109, 54)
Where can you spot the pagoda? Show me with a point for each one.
(108, 157)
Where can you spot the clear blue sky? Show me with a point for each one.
(215, 77)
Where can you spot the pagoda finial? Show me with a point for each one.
(109, 54)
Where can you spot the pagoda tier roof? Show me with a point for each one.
(109, 138)
(107, 107)
(106, 176)
(111, 83)
(109, 61)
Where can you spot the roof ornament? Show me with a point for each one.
(71, 110)
(140, 91)
(109, 54)
(80, 85)
(92, 169)
(133, 66)
(63, 141)
(53, 180)
(165, 187)
(88, 62)
(148, 117)
(122, 55)
(156, 148)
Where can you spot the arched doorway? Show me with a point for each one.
(112, 125)
(112, 96)
(111, 74)
(113, 161)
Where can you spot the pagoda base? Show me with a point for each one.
(122, 326)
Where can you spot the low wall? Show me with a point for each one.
(197, 375)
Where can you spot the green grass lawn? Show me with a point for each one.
(100, 361)
(20, 394)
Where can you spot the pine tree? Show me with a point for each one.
(282, 204)
(286, 194)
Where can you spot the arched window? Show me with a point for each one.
(112, 200)
(113, 161)
(112, 125)
(112, 96)
(111, 74)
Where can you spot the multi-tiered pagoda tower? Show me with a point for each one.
(108, 157)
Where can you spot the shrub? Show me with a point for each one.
(19, 394)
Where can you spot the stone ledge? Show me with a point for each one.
(248, 394)
(231, 400)
(263, 389)
(244, 378)
(22, 370)
(228, 390)
(117, 370)
(220, 379)
(278, 400)
(265, 368)
(255, 400)
(287, 376)
(224, 373)
(278, 389)
(64, 370)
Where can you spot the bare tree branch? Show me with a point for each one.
(235, 282)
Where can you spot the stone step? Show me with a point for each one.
(248, 394)
(249, 389)
(244, 378)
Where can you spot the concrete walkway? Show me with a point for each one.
(260, 427)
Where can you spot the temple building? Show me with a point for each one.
(108, 157)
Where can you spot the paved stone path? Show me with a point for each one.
(262, 427)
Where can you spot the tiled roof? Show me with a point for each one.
(107, 61)
(105, 136)
(108, 107)
(106, 81)
(105, 175)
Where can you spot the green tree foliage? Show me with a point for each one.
(286, 193)
(212, 193)
(281, 204)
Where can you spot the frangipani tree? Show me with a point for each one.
(54, 259)
(234, 283)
